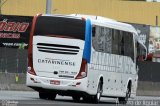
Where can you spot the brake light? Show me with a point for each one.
(31, 71)
(30, 58)
(83, 70)
(30, 65)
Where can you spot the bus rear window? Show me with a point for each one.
(60, 26)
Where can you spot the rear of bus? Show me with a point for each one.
(56, 57)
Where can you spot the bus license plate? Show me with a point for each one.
(55, 82)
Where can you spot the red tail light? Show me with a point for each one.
(30, 65)
(83, 70)
(30, 51)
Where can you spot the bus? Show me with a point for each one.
(85, 57)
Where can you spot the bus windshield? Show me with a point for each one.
(60, 26)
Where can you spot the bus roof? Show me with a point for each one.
(60, 15)
(100, 21)
(107, 22)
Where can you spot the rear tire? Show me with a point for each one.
(76, 98)
(96, 98)
(50, 96)
(42, 95)
(123, 100)
(88, 99)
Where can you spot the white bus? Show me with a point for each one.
(84, 57)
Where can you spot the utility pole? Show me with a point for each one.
(48, 6)
(156, 21)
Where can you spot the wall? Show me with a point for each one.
(128, 11)
(23, 7)
(149, 80)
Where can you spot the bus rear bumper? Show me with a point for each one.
(42, 83)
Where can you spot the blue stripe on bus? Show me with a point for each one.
(87, 46)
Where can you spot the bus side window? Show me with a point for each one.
(102, 39)
(108, 40)
(94, 43)
(122, 46)
(120, 43)
(128, 45)
(140, 53)
(93, 31)
(115, 44)
(97, 39)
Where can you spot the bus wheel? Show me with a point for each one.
(42, 95)
(76, 98)
(51, 96)
(88, 99)
(97, 97)
(123, 100)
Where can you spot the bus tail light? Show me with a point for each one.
(31, 71)
(30, 51)
(30, 65)
(83, 70)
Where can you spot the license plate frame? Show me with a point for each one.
(55, 82)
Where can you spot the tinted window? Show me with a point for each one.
(102, 39)
(116, 41)
(128, 44)
(113, 41)
(69, 27)
(140, 50)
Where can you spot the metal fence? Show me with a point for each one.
(13, 60)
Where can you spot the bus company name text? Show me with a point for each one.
(56, 62)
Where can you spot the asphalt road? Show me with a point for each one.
(28, 98)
